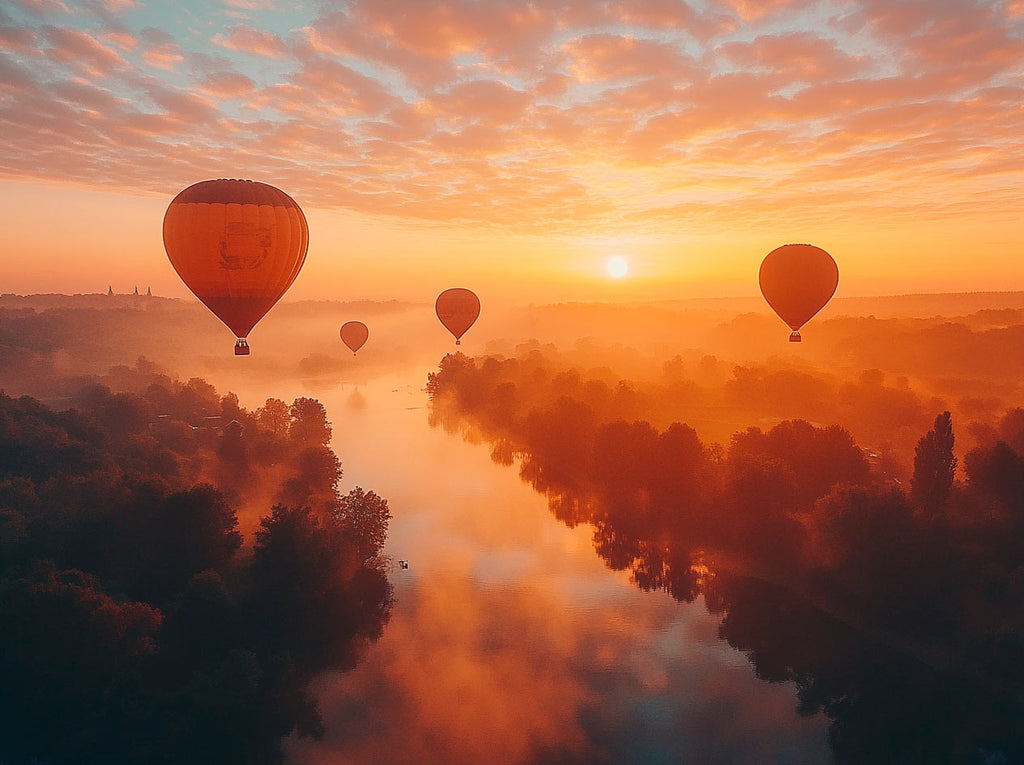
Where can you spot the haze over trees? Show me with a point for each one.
(139, 624)
(816, 501)
(894, 606)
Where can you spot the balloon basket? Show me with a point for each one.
(794, 337)
(241, 348)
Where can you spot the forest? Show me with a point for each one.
(174, 569)
(889, 590)
(850, 510)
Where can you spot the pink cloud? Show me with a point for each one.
(800, 56)
(337, 36)
(89, 96)
(402, 124)
(187, 108)
(81, 51)
(609, 57)
(249, 40)
(250, 5)
(226, 85)
(42, 8)
(476, 111)
(441, 30)
(15, 79)
(644, 14)
(473, 141)
(752, 10)
(953, 35)
(17, 39)
(119, 6)
(329, 84)
(165, 57)
(121, 39)
(484, 99)
(421, 40)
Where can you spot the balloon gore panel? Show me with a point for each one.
(238, 245)
(354, 335)
(458, 309)
(798, 280)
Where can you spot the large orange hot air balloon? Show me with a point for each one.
(238, 245)
(798, 280)
(457, 308)
(354, 334)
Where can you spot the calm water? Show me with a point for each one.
(510, 640)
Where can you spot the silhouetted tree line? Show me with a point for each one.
(897, 611)
(135, 625)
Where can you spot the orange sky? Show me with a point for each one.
(515, 147)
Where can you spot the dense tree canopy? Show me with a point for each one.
(898, 614)
(129, 600)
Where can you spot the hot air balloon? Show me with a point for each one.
(457, 308)
(238, 245)
(354, 334)
(798, 280)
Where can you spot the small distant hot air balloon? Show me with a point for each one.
(798, 280)
(354, 334)
(238, 245)
(457, 308)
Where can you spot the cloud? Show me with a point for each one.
(526, 115)
(163, 56)
(486, 100)
(250, 5)
(612, 57)
(333, 85)
(795, 58)
(17, 39)
(42, 8)
(121, 39)
(256, 42)
(119, 6)
(81, 51)
(226, 85)
(753, 10)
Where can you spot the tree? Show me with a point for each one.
(301, 567)
(309, 425)
(934, 467)
(365, 516)
(273, 416)
(186, 533)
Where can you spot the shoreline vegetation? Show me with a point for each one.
(850, 510)
(140, 623)
(890, 596)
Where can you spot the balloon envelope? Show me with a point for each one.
(354, 334)
(457, 308)
(798, 280)
(238, 245)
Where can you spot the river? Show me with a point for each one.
(510, 640)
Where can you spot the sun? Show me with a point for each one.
(617, 267)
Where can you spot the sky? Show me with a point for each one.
(517, 147)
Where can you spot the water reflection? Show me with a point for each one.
(510, 641)
(895, 614)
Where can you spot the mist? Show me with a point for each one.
(683, 450)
